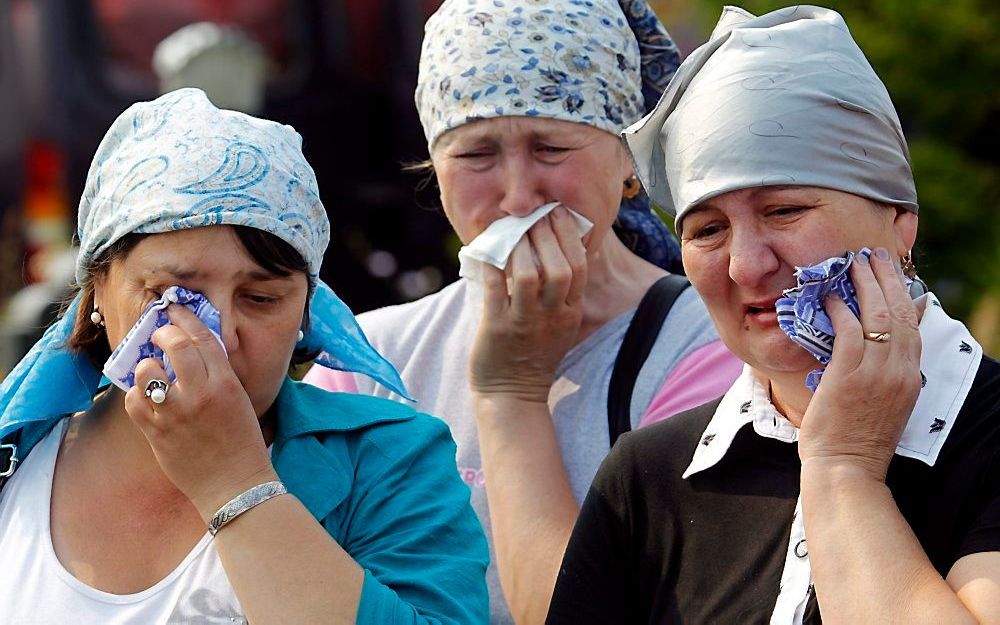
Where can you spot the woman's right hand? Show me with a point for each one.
(531, 312)
(206, 435)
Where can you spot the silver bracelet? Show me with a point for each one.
(245, 501)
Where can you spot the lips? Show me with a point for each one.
(759, 306)
(761, 312)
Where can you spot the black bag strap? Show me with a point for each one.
(8, 456)
(638, 342)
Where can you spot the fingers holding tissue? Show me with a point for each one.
(203, 431)
(533, 271)
(495, 245)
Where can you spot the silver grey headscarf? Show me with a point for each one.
(786, 98)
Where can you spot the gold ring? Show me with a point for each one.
(877, 337)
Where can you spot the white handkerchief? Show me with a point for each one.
(495, 244)
(138, 345)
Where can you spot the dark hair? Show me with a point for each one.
(273, 254)
(88, 337)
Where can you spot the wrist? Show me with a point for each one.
(244, 502)
(223, 491)
(827, 472)
(512, 395)
(509, 407)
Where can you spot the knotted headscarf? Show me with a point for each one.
(786, 98)
(598, 62)
(174, 163)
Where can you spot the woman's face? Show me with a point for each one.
(261, 312)
(493, 168)
(740, 251)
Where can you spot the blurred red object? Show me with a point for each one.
(46, 210)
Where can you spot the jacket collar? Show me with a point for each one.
(315, 466)
(306, 409)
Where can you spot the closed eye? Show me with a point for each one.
(787, 211)
(262, 299)
(707, 231)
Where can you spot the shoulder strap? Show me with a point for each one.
(639, 339)
(8, 456)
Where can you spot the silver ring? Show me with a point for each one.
(156, 391)
(877, 337)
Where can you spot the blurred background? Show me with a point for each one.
(342, 72)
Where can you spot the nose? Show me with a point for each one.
(229, 326)
(523, 186)
(752, 258)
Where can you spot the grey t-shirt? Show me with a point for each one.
(429, 341)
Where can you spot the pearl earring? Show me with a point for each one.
(302, 335)
(97, 318)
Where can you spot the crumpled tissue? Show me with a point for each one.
(801, 314)
(495, 244)
(138, 344)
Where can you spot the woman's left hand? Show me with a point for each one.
(868, 390)
(205, 435)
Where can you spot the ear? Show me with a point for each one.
(99, 280)
(627, 169)
(905, 228)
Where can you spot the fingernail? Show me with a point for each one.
(882, 253)
(862, 259)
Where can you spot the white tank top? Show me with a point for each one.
(36, 589)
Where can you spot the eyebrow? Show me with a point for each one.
(753, 195)
(494, 134)
(778, 188)
(183, 274)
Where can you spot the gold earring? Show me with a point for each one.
(917, 286)
(906, 265)
(631, 187)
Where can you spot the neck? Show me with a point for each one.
(790, 395)
(616, 281)
(107, 430)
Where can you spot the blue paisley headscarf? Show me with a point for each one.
(597, 62)
(174, 163)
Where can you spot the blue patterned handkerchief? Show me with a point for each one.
(801, 314)
(137, 344)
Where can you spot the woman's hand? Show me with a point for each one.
(868, 390)
(531, 318)
(525, 331)
(205, 435)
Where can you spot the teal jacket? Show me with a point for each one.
(381, 478)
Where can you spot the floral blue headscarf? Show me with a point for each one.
(174, 163)
(597, 62)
